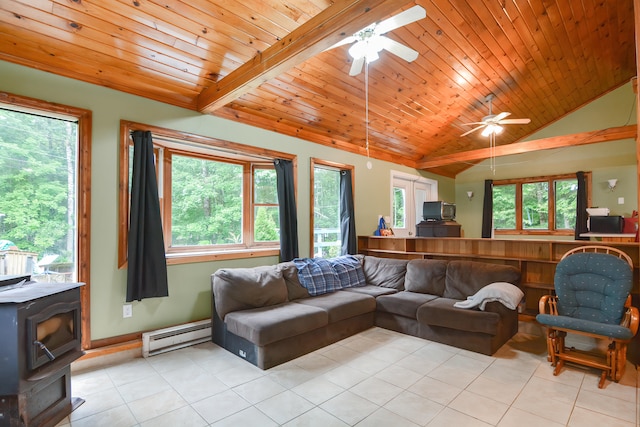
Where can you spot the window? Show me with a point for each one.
(45, 160)
(266, 218)
(408, 194)
(218, 199)
(542, 205)
(325, 205)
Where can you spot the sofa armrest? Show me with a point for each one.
(499, 308)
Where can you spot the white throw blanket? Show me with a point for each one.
(506, 293)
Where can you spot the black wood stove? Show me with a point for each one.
(40, 335)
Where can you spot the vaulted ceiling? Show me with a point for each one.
(266, 63)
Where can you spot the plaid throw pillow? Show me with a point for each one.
(349, 271)
(317, 275)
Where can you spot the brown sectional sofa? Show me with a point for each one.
(266, 316)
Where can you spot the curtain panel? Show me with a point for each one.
(147, 266)
(288, 214)
(347, 215)
(487, 210)
(581, 207)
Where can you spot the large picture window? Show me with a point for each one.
(218, 199)
(540, 205)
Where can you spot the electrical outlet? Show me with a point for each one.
(127, 310)
(621, 200)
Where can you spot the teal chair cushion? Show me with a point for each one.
(613, 331)
(593, 286)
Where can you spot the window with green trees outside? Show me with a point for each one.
(540, 205)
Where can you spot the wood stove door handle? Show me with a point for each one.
(45, 349)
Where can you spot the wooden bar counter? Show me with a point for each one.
(536, 259)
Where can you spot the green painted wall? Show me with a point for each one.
(189, 284)
(615, 159)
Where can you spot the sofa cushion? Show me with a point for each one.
(317, 275)
(295, 289)
(266, 325)
(403, 303)
(349, 270)
(441, 312)
(426, 276)
(243, 288)
(374, 291)
(465, 278)
(385, 272)
(342, 305)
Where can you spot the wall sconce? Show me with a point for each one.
(612, 184)
(470, 194)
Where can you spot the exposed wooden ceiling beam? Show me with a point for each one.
(341, 19)
(583, 138)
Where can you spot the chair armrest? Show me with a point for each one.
(547, 305)
(631, 319)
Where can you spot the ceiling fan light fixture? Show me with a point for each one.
(492, 129)
(371, 40)
(367, 49)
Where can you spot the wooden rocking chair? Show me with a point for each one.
(592, 298)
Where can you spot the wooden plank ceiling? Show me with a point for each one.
(264, 63)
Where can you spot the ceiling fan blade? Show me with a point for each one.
(356, 66)
(399, 49)
(474, 123)
(501, 116)
(473, 130)
(403, 18)
(342, 42)
(514, 122)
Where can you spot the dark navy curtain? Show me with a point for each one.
(487, 209)
(581, 207)
(347, 215)
(147, 267)
(288, 214)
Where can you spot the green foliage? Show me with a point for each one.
(206, 202)
(35, 154)
(265, 186)
(326, 212)
(535, 205)
(326, 193)
(566, 197)
(267, 227)
(504, 207)
(399, 205)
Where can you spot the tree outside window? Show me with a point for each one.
(266, 214)
(399, 207)
(326, 212)
(38, 182)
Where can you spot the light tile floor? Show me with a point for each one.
(375, 378)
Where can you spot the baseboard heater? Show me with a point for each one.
(175, 337)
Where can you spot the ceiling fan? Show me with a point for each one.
(492, 123)
(371, 40)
